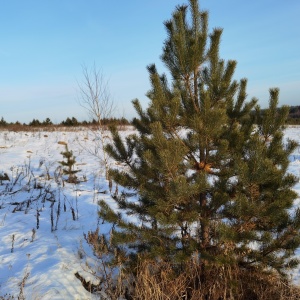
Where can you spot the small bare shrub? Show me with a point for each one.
(95, 97)
(109, 280)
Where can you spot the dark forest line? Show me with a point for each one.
(293, 119)
(68, 122)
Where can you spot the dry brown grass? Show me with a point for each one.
(160, 282)
(165, 281)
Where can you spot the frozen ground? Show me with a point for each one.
(41, 244)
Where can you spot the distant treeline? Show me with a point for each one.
(293, 119)
(69, 122)
(294, 115)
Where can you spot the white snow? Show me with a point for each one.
(48, 257)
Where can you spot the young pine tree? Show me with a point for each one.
(68, 165)
(208, 168)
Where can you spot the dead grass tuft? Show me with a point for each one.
(166, 281)
(160, 281)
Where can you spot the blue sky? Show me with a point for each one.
(44, 44)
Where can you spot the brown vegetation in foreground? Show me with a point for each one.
(160, 281)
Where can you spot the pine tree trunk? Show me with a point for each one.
(203, 222)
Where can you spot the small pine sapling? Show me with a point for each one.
(68, 165)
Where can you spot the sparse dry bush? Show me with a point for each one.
(109, 280)
(95, 97)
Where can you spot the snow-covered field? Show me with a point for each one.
(40, 242)
(43, 221)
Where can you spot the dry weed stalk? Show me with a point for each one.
(33, 234)
(12, 243)
(22, 285)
